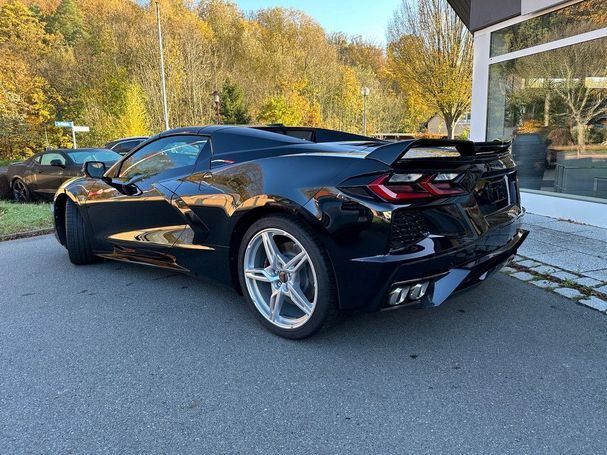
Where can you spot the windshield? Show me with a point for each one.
(82, 156)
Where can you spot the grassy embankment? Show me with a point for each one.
(20, 218)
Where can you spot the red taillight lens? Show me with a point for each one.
(396, 191)
(423, 188)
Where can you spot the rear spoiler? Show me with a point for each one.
(391, 153)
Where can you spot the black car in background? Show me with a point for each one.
(302, 227)
(42, 174)
(125, 145)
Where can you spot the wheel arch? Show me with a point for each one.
(246, 220)
(59, 215)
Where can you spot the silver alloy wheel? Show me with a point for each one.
(280, 278)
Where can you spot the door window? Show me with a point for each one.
(167, 153)
(47, 158)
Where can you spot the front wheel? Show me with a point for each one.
(21, 192)
(77, 237)
(286, 277)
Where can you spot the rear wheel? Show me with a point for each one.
(286, 277)
(21, 192)
(77, 237)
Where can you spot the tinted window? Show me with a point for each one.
(172, 152)
(575, 19)
(48, 157)
(300, 134)
(125, 147)
(37, 158)
(82, 156)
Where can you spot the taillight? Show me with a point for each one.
(406, 187)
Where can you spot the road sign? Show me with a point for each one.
(64, 124)
(81, 129)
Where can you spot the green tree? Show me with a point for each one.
(67, 20)
(234, 110)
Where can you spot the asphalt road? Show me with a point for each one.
(118, 358)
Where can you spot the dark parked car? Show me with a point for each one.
(40, 175)
(126, 144)
(302, 228)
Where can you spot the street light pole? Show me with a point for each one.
(162, 76)
(217, 101)
(365, 91)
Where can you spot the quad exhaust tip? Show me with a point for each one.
(407, 293)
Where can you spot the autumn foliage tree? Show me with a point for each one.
(430, 52)
(95, 62)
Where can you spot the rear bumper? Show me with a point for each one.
(371, 279)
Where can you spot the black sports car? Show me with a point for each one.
(125, 145)
(42, 174)
(303, 227)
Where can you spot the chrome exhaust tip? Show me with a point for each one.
(398, 295)
(402, 294)
(418, 290)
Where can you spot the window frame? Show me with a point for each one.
(115, 171)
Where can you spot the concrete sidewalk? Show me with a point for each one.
(565, 257)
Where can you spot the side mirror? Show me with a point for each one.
(57, 163)
(94, 169)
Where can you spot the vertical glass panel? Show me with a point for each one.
(575, 19)
(553, 106)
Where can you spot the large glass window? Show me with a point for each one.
(553, 106)
(575, 19)
(171, 152)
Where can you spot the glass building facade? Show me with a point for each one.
(547, 93)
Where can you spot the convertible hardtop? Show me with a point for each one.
(231, 139)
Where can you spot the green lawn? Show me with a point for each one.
(17, 218)
(5, 162)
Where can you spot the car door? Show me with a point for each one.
(49, 173)
(133, 213)
(28, 170)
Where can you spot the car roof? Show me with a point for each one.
(83, 149)
(231, 138)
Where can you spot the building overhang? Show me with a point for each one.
(478, 14)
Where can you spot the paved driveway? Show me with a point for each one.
(121, 358)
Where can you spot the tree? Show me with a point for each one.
(134, 120)
(431, 51)
(67, 20)
(575, 74)
(234, 110)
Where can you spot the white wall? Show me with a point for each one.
(557, 206)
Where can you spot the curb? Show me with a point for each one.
(547, 277)
(25, 235)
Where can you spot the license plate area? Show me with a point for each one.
(495, 193)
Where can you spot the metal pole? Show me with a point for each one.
(162, 76)
(74, 136)
(364, 115)
(365, 93)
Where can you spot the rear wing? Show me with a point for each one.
(390, 154)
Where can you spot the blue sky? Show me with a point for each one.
(356, 17)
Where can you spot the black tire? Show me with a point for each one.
(77, 238)
(326, 308)
(21, 192)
